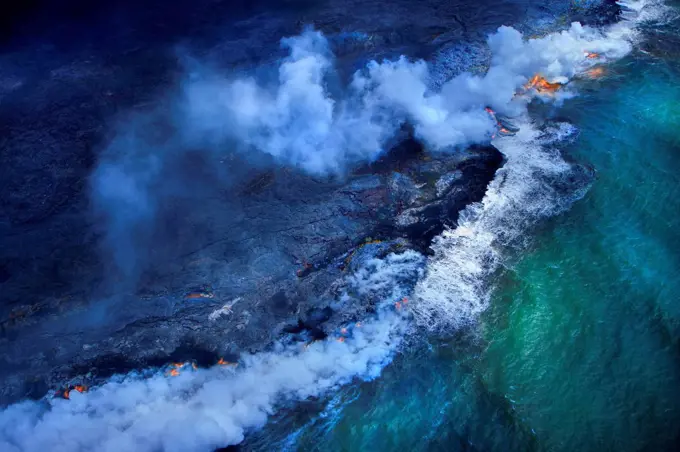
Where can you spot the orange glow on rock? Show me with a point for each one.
(198, 295)
(540, 84)
(595, 72)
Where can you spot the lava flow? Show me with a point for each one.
(501, 129)
(595, 72)
(223, 362)
(540, 84)
(67, 392)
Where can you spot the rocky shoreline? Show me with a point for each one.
(310, 234)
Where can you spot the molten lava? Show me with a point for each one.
(66, 393)
(540, 84)
(223, 362)
(174, 373)
(592, 55)
(198, 295)
(595, 72)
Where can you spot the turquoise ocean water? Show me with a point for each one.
(580, 348)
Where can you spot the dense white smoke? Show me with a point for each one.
(203, 409)
(300, 123)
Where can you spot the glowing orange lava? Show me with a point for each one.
(174, 373)
(540, 84)
(595, 72)
(80, 388)
(198, 295)
(223, 362)
(592, 55)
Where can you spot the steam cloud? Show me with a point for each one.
(209, 408)
(298, 122)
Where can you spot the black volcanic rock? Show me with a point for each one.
(248, 259)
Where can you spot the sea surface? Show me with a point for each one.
(579, 349)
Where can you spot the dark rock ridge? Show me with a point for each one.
(267, 270)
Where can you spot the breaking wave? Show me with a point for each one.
(457, 287)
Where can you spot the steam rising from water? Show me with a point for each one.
(299, 122)
(209, 408)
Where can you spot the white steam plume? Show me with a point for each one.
(300, 123)
(208, 408)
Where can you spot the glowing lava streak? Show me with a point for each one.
(541, 85)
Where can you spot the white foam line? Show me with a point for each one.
(457, 287)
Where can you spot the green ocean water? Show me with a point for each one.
(580, 348)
